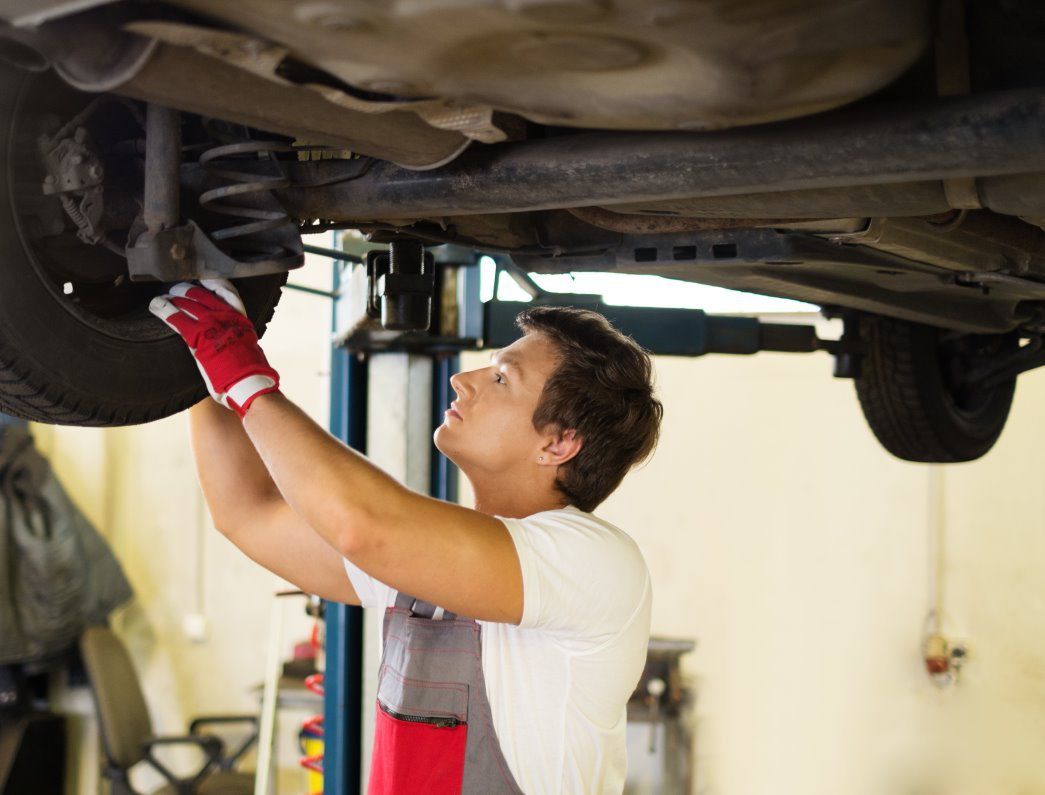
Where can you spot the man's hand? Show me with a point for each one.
(213, 322)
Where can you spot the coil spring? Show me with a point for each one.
(243, 197)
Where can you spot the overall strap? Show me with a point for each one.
(423, 609)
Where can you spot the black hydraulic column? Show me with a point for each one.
(443, 471)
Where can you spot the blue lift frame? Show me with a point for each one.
(343, 678)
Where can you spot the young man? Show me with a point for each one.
(515, 632)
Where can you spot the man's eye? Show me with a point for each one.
(500, 378)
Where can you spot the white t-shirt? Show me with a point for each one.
(558, 683)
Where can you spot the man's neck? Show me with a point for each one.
(513, 498)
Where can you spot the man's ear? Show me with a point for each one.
(561, 447)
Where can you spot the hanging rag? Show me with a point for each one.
(57, 575)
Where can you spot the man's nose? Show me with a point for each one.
(459, 383)
(466, 383)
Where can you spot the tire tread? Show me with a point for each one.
(27, 397)
(892, 394)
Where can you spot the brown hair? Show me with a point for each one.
(602, 389)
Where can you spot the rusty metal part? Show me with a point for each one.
(976, 241)
(72, 164)
(653, 224)
(186, 252)
(160, 209)
(74, 175)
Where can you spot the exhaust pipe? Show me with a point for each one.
(983, 135)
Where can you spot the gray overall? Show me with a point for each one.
(434, 731)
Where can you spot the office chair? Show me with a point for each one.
(127, 733)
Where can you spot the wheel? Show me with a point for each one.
(912, 393)
(77, 343)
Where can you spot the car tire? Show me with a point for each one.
(906, 392)
(62, 361)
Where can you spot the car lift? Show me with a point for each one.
(399, 326)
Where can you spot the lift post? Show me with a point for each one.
(343, 677)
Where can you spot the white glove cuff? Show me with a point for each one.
(241, 392)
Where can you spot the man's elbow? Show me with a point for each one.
(233, 522)
(224, 525)
(353, 532)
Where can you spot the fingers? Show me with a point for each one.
(227, 291)
(176, 312)
(162, 308)
(181, 289)
(190, 306)
(165, 309)
(216, 294)
(184, 291)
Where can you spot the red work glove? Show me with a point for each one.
(213, 321)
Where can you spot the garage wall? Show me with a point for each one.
(799, 556)
(138, 485)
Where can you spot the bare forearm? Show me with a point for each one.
(401, 538)
(334, 489)
(232, 475)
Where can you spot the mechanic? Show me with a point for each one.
(514, 633)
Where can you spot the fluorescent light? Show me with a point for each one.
(620, 289)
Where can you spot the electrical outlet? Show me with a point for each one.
(194, 625)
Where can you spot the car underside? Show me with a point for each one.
(882, 159)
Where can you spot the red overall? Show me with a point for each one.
(434, 731)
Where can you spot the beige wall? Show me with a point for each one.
(780, 537)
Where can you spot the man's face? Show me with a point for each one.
(490, 425)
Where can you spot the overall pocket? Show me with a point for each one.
(420, 735)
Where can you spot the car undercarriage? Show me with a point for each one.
(883, 160)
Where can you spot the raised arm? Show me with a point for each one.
(248, 509)
(460, 559)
